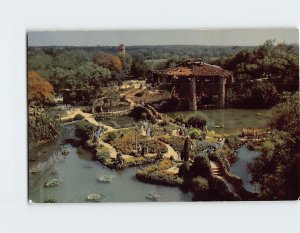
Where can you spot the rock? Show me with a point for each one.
(65, 152)
(95, 197)
(34, 171)
(153, 196)
(53, 182)
(106, 178)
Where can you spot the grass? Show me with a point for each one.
(157, 174)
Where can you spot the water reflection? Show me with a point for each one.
(232, 119)
(240, 168)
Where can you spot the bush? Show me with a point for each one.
(78, 117)
(42, 125)
(200, 186)
(154, 145)
(185, 153)
(233, 141)
(156, 174)
(201, 167)
(141, 113)
(183, 169)
(111, 136)
(176, 142)
(87, 109)
(195, 134)
(84, 130)
(197, 120)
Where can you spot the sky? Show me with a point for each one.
(222, 37)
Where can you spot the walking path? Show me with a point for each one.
(113, 152)
(171, 152)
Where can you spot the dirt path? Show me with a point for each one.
(111, 149)
(113, 153)
(171, 152)
(89, 117)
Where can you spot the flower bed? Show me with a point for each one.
(125, 140)
(174, 141)
(157, 174)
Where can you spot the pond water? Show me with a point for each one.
(240, 169)
(232, 119)
(80, 173)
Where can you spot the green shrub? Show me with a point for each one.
(185, 153)
(111, 136)
(42, 125)
(197, 120)
(87, 109)
(195, 134)
(183, 169)
(179, 119)
(176, 142)
(233, 141)
(102, 154)
(153, 145)
(156, 174)
(200, 188)
(84, 130)
(200, 167)
(78, 117)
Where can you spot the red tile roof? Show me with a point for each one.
(203, 70)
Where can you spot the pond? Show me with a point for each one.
(80, 173)
(240, 167)
(232, 119)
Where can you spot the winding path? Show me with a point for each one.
(171, 152)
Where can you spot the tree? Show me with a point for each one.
(126, 60)
(84, 130)
(185, 154)
(201, 167)
(139, 68)
(183, 169)
(274, 170)
(108, 60)
(286, 116)
(39, 89)
(42, 125)
(262, 73)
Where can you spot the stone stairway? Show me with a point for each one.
(216, 171)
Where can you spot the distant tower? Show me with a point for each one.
(122, 49)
